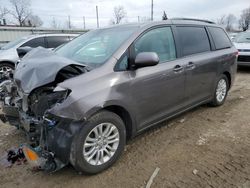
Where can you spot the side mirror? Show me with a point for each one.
(145, 59)
(22, 51)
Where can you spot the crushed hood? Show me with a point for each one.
(40, 67)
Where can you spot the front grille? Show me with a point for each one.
(244, 50)
(244, 58)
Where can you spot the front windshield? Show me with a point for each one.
(97, 46)
(243, 38)
(13, 43)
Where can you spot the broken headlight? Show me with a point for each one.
(60, 95)
(44, 101)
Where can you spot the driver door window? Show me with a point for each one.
(160, 41)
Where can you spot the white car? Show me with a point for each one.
(242, 43)
(232, 35)
(8, 53)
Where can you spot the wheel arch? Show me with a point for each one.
(228, 75)
(125, 116)
(8, 62)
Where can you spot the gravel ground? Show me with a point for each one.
(206, 147)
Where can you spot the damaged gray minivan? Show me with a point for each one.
(81, 103)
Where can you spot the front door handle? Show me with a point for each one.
(178, 69)
(190, 65)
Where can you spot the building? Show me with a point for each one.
(10, 33)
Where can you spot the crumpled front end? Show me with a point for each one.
(26, 101)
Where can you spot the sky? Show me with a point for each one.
(60, 10)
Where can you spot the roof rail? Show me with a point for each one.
(194, 19)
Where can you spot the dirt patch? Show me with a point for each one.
(206, 147)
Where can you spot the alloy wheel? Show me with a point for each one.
(101, 144)
(221, 90)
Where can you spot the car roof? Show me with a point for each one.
(174, 21)
(51, 34)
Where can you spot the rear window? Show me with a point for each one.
(220, 38)
(193, 40)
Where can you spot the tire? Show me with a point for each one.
(221, 89)
(80, 157)
(3, 73)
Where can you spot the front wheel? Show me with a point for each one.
(221, 91)
(99, 143)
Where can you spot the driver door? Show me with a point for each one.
(157, 91)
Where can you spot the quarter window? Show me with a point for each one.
(220, 38)
(160, 41)
(193, 40)
(35, 42)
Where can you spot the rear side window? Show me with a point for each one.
(193, 40)
(35, 42)
(158, 40)
(55, 41)
(220, 38)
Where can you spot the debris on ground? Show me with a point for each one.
(195, 171)
(11, 157)
(201, 141)
(151, 179)
(182, 120)
(241, 97)
(16, 156)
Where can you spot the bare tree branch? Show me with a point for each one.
(119, 14)
(3, 12)
(230, 19)
(55, 24)
(244, 21)
(221, 20)
(20, 10)
(35, 20)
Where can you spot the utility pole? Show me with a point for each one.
(69, 22)
(84, 26)
(138, 19)
(97, 17)
(152, 10)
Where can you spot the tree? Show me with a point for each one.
(55, 24)
(20, 10)
(119, 14)
(221, 20)
(229, 20)
(35, 21)
(3, 12)
(244, 21)
(145, 19)
(164, 16)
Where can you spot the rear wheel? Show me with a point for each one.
(221, 91)
(99, 143)
(5, 69)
